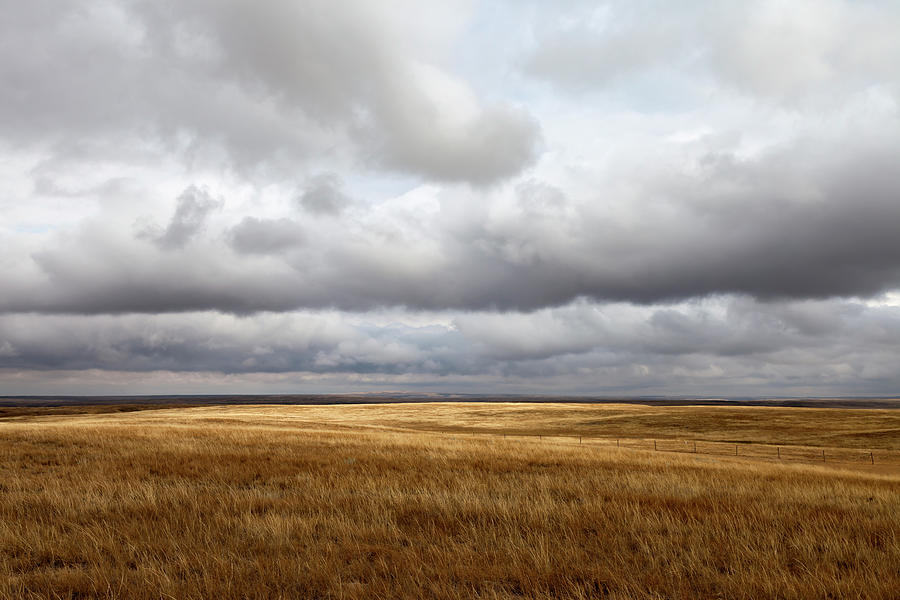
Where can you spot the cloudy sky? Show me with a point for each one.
(624, 197)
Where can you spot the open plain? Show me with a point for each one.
(450, 500)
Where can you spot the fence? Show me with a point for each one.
(754, 450)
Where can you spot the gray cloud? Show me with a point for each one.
(498, 142)
(265, 236)
(322, 195)
(721, 346)
(194, 206)
(269, 85)
(211, 342)
(810, 220)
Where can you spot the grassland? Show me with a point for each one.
(432, 501)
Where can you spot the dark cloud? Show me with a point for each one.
(323, 195)
(210, 342)
(720, 346)
(805, 221)
(193, 207)
(265, 236)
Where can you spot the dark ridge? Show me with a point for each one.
(161, 401)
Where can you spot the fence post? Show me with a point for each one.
(779, 452)
(617, 443)
(872, 457)
(735, 449)
(654, 444)
(823, 454)
(695, 446)
(579, 439)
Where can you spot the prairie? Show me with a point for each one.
(446, 500)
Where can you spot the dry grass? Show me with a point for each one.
(350, 502)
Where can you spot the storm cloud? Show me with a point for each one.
(794, 223)
(615, 197)
(745, 345)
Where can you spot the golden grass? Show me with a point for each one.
(850, 428)
(351, 502)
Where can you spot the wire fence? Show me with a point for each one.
(752, 450)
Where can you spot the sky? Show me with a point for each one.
(629, 197)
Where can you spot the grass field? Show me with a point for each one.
(432, 501)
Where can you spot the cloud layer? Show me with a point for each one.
(745, 347)
(794, 222)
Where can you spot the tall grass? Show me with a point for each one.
(168, 504)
